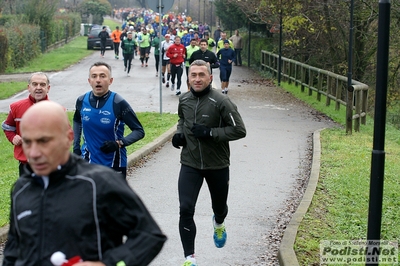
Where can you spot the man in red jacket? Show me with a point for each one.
(38, 88)
(177, 53)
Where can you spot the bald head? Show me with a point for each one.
(46, 137)
(46, 111)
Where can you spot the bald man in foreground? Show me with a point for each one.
(63, 203)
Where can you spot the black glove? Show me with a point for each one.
(201, 131)
(78, 152)
(178, 140)
(109, 146)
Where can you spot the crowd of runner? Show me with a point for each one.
(141, 29)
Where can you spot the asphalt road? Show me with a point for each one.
(265, 166)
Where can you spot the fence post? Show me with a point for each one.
(364, 105)
(357, 110)
(338, 93)
(319, 88)
(303, 77)
(262, 60)
(349, 110)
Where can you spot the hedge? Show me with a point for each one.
(20, 43)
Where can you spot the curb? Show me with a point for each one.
(150, 147)
(286, 254)
(132, 159)
(3, 233)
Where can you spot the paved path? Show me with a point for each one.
(264, 168)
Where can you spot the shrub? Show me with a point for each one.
(5, 18)
(3, 51)
(21, 42)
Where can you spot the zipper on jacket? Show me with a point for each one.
(41, 234)
(198, 141)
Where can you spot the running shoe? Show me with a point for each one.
(190, 261)
(219, 235)
(167, 84)
(172, 87)
(178, 92)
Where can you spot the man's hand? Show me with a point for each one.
(201, 131)
(17, 140)
(178, 140)
(109, 146)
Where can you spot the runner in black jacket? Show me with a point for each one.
(103, 35)
(205, 55)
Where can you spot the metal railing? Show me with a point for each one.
(324, 83)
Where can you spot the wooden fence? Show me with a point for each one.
(323, 82)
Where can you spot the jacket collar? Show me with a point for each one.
(56, 175)
(201, 93)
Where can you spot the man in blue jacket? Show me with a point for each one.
(102, 115)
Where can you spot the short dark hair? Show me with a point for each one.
(203, 40)
(100, 63)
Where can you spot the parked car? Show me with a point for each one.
(93, 40)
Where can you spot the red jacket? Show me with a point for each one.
(178, 50)
(11, 124)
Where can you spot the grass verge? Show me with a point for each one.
(339, 209)
(8, 89)
(58, 59)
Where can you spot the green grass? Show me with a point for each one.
(154, 124)
(8, 89)
(63, 57)
(112, 24)
(339, 209)
(59, 58)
